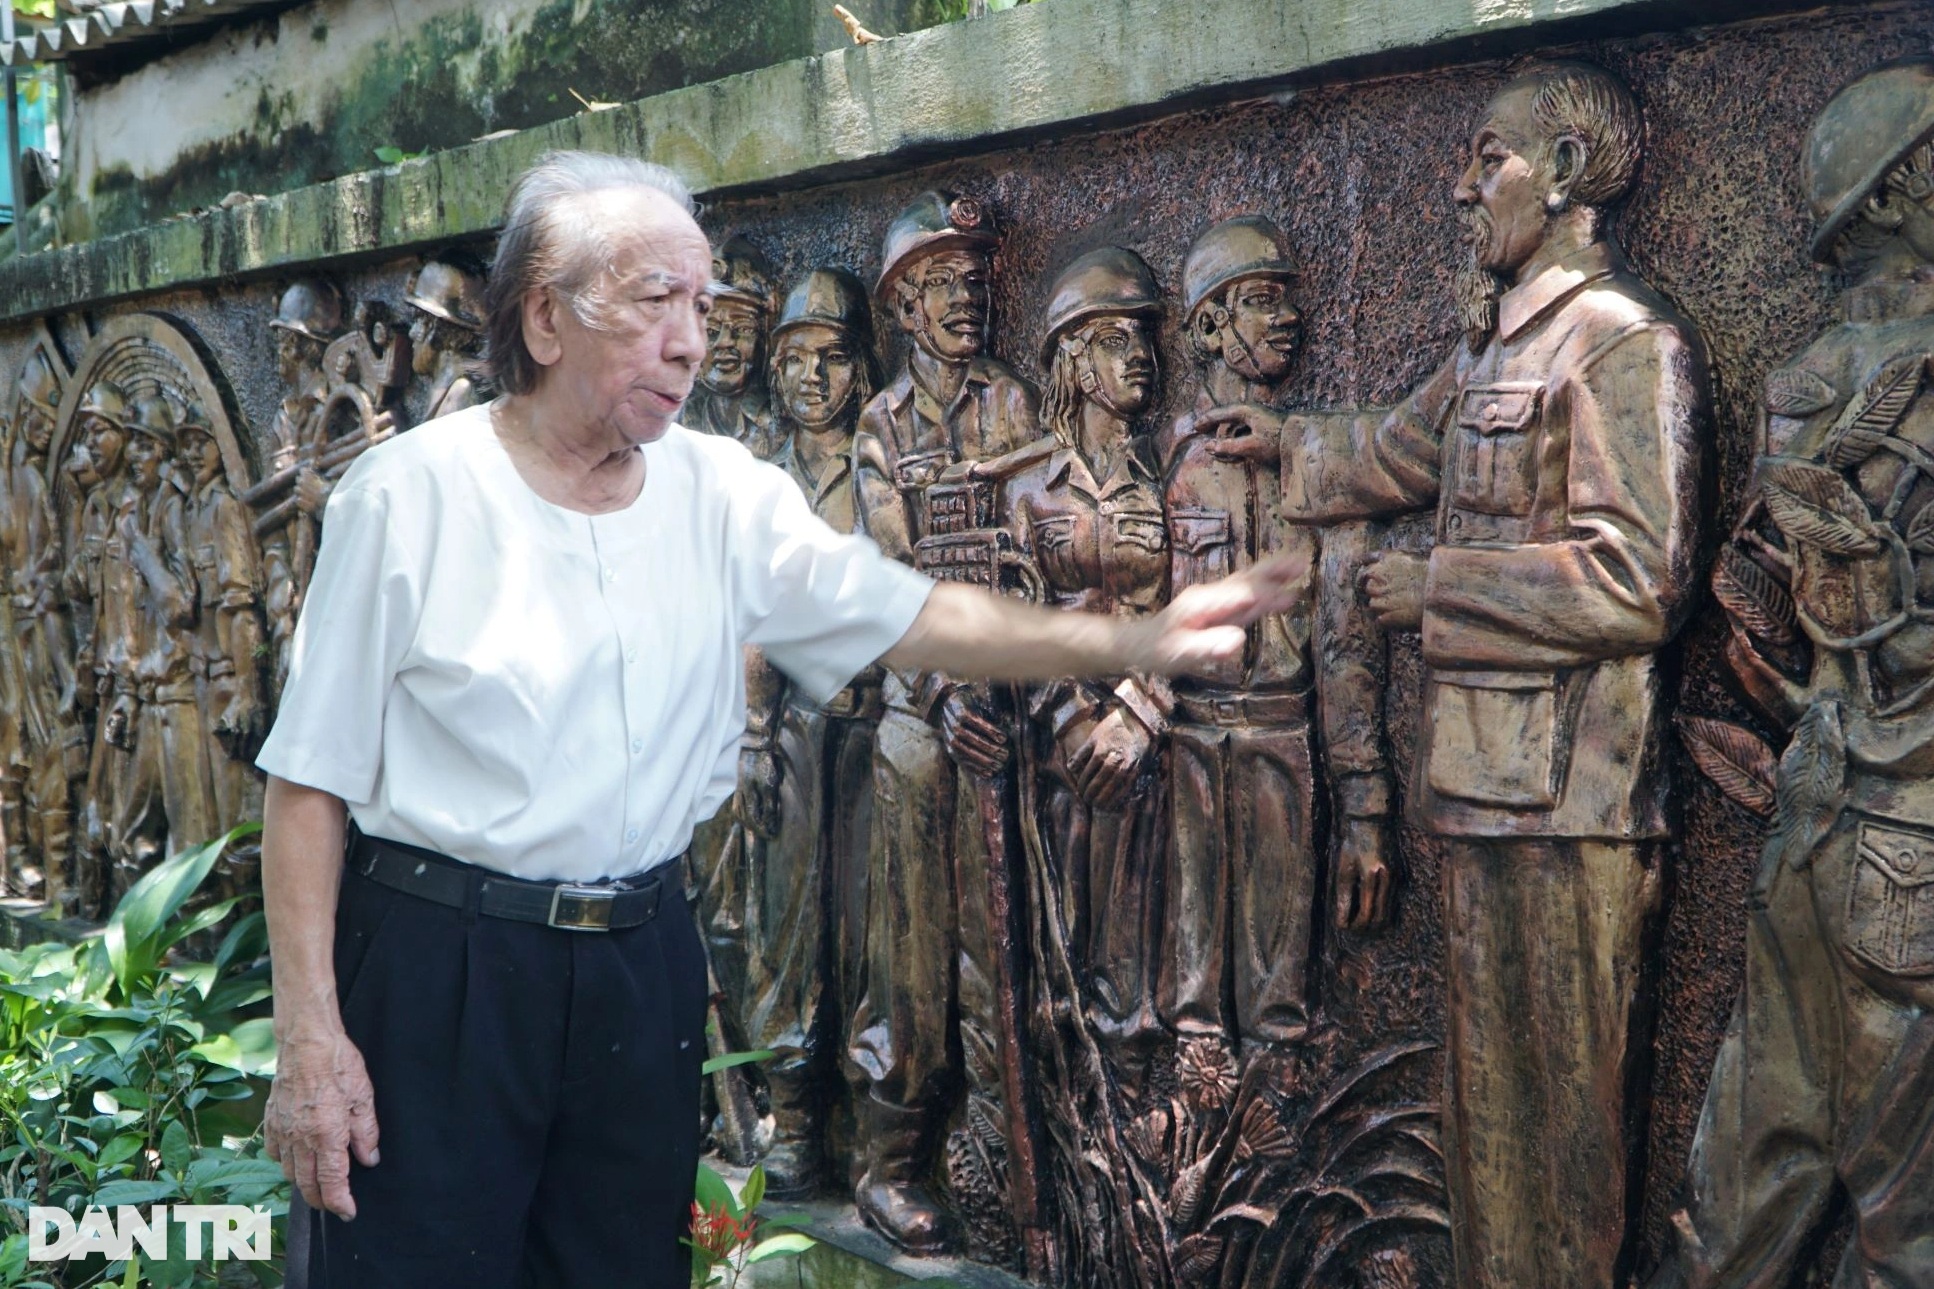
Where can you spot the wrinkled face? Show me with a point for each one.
(1263, 331)
(1501, 196)
(734, 336)
(1117, 368)
(629, 368)
(946, 307)
(145, 455)
(816, 370)
(105, 441)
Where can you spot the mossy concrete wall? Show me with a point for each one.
(309, 94)
(948, 91)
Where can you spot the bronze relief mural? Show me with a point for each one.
(1408, 949)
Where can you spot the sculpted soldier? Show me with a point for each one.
(730, 397)
(1242, 844)
(52, 744)
(806, 790)
(1824, 1082)
(164, 799)
(100, 428)
(929, 966)
(1562, 447)
(308, 317)
(447, 334)
(1087, 508)
(228, 622)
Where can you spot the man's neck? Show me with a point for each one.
(567, 461)
(1226, 385)
(1566, 234)
(940, 377)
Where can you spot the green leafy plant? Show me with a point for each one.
(726, 1234)
(131, 1076)
(391, 155)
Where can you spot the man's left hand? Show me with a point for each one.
(1393, 581)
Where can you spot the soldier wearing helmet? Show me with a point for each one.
(1241, 895)
(228, 627)
(30, 550)
(730, 397)
(1087, 508)
(164, 798)
(928, 938)
(1819, 1097)
(447, 336)
(805, 784)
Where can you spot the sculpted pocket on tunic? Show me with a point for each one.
(1202, 548)
(1495, 738)
(1890, 900)
(1054, 548)
(1495, 470)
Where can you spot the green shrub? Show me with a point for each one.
(128, 1077)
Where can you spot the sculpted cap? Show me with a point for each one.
(38, 384)
(741, 272)
(936, 221)
(105, 401)
(443, 290)
(828, 297)
(1111, 281)
(1866, 130)
(1244, 247)
(156, 417)
(311, 308)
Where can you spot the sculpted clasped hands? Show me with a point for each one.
(1105, 757)
(971, 737)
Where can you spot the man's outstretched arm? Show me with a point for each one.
(970, 633)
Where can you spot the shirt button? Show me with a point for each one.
(637, 745)
(631, 834)
(611, 575)
(631, 655)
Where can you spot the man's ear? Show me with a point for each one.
(541, 327)
(1569, 153)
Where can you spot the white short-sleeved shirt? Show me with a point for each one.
(555, 695)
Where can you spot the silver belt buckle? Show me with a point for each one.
(580, 908)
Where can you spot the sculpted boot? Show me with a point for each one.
(795, 1165)
(895, 1196)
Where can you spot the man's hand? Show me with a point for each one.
(1205, 624)
(320, 1108)
(1246, 432)
(1108, 762)
(1363, 875)
(971, 737)
(1393, 581)
(757, 801)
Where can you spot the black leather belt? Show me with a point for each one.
(609, 905)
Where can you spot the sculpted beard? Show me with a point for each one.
(1478, 288)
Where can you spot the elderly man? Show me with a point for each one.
(520, 671)
(1562, 446)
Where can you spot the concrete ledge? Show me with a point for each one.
(951, 90)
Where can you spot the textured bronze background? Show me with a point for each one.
(1359, 176)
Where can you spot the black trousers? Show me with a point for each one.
(536, 1100)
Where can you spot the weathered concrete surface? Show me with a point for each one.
(308, 95)
(951, 90)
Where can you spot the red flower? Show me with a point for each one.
(718, 1233)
